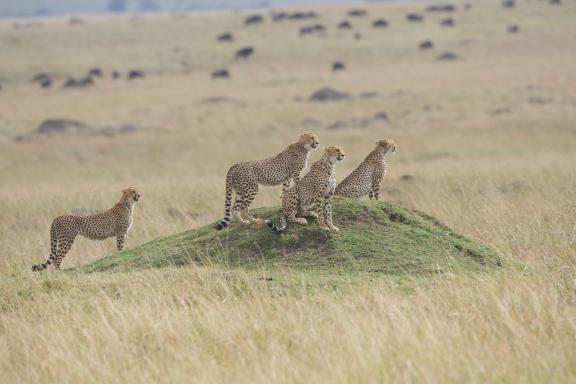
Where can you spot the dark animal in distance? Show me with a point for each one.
(79, 83)
(44, 79)
(298, 15)
(135, 74)
(46, 83)
(221, 74)
(357, 13)
(441, 8)
(426, 44)
(253, 19)
(448, 56)
(301, 15)
(95, 72)
(244, 53)
(508, 4)
(338, 66)
(225, 37)
(448, 22)
(380, 23)
(309, 29)
(414, 17)
(513, 28)
(344, 25)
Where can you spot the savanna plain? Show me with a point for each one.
(486, 144)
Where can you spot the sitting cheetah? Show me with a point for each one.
(315, 189)
(366, 179)
(245, 177)
(114, 222)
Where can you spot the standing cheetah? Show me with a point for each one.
(245, 177)
(367, 178)
(114, 222)
(315, 189)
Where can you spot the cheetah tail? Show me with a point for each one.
(227, 204)
(53, 244)
(281, 225)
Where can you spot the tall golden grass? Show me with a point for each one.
(489, 141)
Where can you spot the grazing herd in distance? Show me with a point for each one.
(46, 80)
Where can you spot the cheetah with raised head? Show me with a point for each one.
(367, 177)
(315, 189)
(114, 222)
(244, 178)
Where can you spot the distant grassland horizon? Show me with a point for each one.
(23, 8)
(486, 144)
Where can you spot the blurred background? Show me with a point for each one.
(165, 95)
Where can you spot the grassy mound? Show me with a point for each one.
(374, 237)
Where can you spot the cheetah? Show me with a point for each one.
(367, 177)
(114, 222)
(245, 177)
(316, 188)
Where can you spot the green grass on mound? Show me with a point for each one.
(374, 237)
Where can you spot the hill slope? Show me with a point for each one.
(374, 237)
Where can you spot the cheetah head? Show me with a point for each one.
(334, 153)
(130, 195)
(309, 141)
(387, 144)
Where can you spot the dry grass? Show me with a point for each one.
(489, 140)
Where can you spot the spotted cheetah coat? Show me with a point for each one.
(244, 178)
(115, 222)
(314, 190)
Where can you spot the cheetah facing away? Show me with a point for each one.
(367, 177)
(245, 177)
(315, 189)
(114, 222)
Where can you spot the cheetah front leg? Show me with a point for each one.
(331, 225)
(376, 189)
(120, 242)
(320, 213)
(376, 183)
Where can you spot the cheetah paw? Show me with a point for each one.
(301, 220)
(334, 228)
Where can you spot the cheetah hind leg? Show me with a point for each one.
(236, 210)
